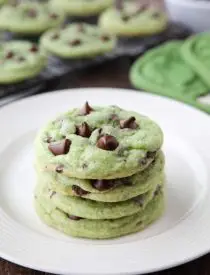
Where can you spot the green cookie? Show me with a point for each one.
(29, 18)
(99, 143)
(20, 60)
(132, 18)
(117, 190)
(82, 7)
(163, 71)
(100, 229)
(77, 40)
(90, 209)
(195, 52)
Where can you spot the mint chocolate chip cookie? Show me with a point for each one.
(29, 18)
(133, 18)
(20, 60)
(82, 7)
(77, 40)
(98, 143)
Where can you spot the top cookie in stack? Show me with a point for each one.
(99, 143)
(100, 172)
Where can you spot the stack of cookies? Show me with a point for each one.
(100, 172)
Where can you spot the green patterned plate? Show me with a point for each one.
(164, 71)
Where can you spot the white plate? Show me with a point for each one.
(182, 234)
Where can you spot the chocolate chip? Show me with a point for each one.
(52, 194)
(139, 200)
(83, 130)
(107, 142)
(59, 168)
(34, 49)
(21, 59)
(105, 38)
(156, 15)
(151, 155)
(9, 55)
(75, 42)
(60, 147)
(139, 223)
(86, 109)
(157, 191)
(53, 16)
(119, 4)
(55, 36)
(32, 13)
(79, 191)
(74, 218)
(48, 139)
(129, 123)
(103, 185)
(125, 17)
(140, 8)
(84, 165)
(143, 161)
